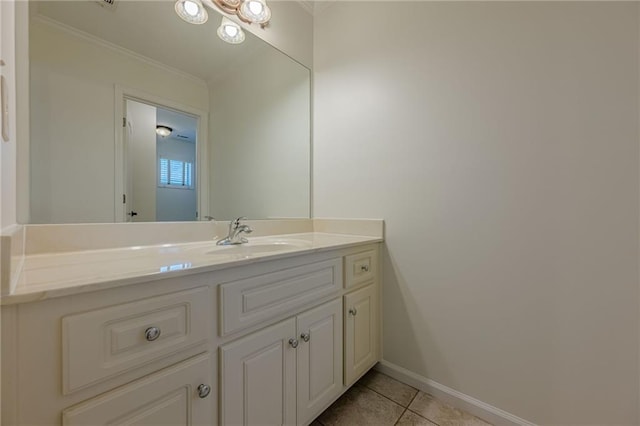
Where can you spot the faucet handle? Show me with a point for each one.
(235, 223)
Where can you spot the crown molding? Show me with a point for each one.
(114, 47)
(313, 7)
(307, 5)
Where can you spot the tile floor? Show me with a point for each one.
(377, 399)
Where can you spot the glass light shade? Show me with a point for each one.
(255, 11)
(163, 130)
(230, 32)
(192, 11)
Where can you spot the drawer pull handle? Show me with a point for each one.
(204, 391)
(152, 333)
(364, 268)
(305, 336)
(353, 312)
(293, 343)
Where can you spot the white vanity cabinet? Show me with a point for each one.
(258, 378)
(361, 332)
(135, 354)
(320, 359)
(286, 373)
(361, 314)
(270, 342)
(176, 396)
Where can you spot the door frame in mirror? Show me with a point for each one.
(202, 141)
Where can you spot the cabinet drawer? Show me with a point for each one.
(253, 300)
(360, 267)
(100, 344)
(168, 397)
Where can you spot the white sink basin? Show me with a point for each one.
(260, 247)
(255, 246)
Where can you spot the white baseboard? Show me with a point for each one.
(452, 397)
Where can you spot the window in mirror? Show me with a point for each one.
(175, 174)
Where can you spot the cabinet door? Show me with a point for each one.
(258, 378)
(169, 397)
(319, 359)
(361, 332)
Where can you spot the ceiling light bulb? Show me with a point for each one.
(191, 8)
(255, 11)
(163, 130)
(191, 11)
(256, 7)
(230, 32)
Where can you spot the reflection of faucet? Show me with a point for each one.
(235, 231)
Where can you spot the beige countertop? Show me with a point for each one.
(46, 276)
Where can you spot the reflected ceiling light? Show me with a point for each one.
(163, 130)
(229, 6)
(254, 11)
(248, 11)
(230, 32)
(192, 11)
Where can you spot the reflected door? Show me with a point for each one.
(159, 168)
(140, 162)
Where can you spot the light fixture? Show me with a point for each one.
(254, 11)
(229, 6)
(192, 11)
(163, 130)
(248, 11)
(230, 32)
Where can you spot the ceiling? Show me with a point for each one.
(152, 29)
(184, 126)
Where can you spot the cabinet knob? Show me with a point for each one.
(353, 312)
(305, 336)
(204, 391)
(152, 333)
(293, 343)
(364, 268)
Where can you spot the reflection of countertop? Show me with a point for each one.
(45, 276)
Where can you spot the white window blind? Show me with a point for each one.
(175, 173)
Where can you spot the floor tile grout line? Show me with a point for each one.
(381, 394)
(418, 414)
(412, 399)
(426, 418)
(405, 408)
(401, 415)
(386, 397)
(397, 403)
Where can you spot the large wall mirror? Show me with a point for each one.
(136, 115)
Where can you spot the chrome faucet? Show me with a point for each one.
(235, 231)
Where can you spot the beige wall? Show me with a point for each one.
(499, 141)
(8, 149)
(72, 121)
(259, 139)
